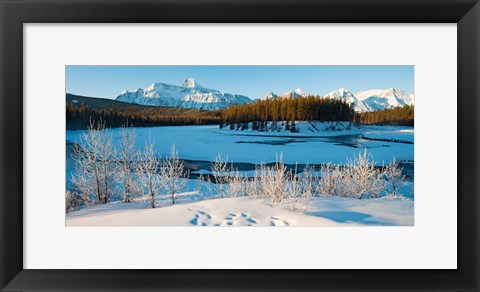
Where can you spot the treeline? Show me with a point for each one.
(289, 110)
(79, 116)
(400, 116)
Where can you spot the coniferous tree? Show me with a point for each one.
(78, 116)
(287, 110)
(400, 116)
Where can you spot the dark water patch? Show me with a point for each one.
(408, 168)
(387, 140)
(350, 140)
(197, 165)
(353, 141)
(281, 136)
(272, 142)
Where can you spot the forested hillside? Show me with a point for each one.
(287, 110)
(400, 116)
(80, 110)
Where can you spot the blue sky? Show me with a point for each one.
(252, 81)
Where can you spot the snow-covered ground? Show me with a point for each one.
(315, 143)
(328, 211)
(401, 135)
(205, 142)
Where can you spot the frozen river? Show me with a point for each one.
(204, 142)
(200, 144)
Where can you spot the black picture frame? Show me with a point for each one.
(13, 14)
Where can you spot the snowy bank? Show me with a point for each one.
(302, 129)
(328, 211)
(405, 135)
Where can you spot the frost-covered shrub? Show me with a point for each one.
(361, 178)
(334, 181)
(309, 186)
(277, 185)
(253, 187)
(294, 189)
(358, 178)
(149, 182)
(301, 189)
(127, 158)
(95, 167)
(69, 201)
(327, 181)
(75, 200)
(173, 174)
(220, 169)
(394, 175)
(273, 182)
(205, 186)
(236, 184)
(228, 180)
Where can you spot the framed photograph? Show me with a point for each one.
(290, 159)
(261, 145)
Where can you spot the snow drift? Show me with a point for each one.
(246, 211)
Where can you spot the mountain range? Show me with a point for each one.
(190, 94)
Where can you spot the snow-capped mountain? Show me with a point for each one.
(296, 93)
(373, 99)
(270, 95)
(377, 99)
(293, 94)
(363, 101)
(345, 95)
(189, 94)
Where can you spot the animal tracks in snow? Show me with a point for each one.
(241, 219)
(202, 217)
(275, 221)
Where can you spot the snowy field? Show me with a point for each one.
(332, 211)
(205, 142)
(315, 143)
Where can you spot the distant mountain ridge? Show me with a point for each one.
(189, 94)
(377, 99)
(363, 101)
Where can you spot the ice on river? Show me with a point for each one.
(205, 142)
